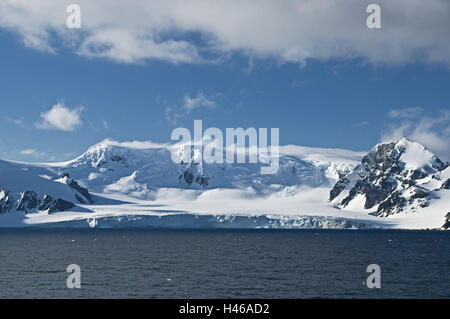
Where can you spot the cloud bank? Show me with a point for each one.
(139, 145)
(200, 31)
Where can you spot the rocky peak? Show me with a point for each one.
(394, 175)
(381, 157)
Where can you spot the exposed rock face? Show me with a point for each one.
(189, 178)
(202, 180)
(46, 203)
(447, 221)
(392, 205)
(341, 184)
(391, 177)
(48, 198)
(193, 174)
(6, 201)
(61, 205)
(446, 184)
(83, 191)
(29, 202)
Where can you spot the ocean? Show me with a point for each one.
(174, 263)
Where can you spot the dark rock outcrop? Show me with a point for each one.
(6, 201)
(447, 221)
(29, 202)
(339, 187)
(83, 191)
(203, 181)
(446, 184)
(189, 176)
(61, 205)
(392, 205)
(384, 179)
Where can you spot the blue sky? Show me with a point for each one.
(350, 103)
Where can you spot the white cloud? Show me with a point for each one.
(31, 152)
(362, 124)
(125, 46)
(410, 112)
(15, 121)
(61, 118)
(105, 124)
(141, 145)
(194, 102)
(189, 104)
(431, 130)
(173, 115)
(28, 151)
(286, 30)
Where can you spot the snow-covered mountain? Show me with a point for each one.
(111, 167)
(136, 184)
(21, 189)
(394, 177)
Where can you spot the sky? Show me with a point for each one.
(136, 70)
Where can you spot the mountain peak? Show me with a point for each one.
(105, 151)
(411, 154)
(403, 142)
(102, 146)
(393, 177)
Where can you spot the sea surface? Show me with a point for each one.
(145, 263)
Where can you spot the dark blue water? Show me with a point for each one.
(223, 264)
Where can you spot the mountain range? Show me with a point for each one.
(396, 185)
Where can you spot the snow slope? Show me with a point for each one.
(23, 189)
(113, 168)
(137, 185)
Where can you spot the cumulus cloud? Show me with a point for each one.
(61, 118)
(198, 101)
(431, 130)
(197, 31)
